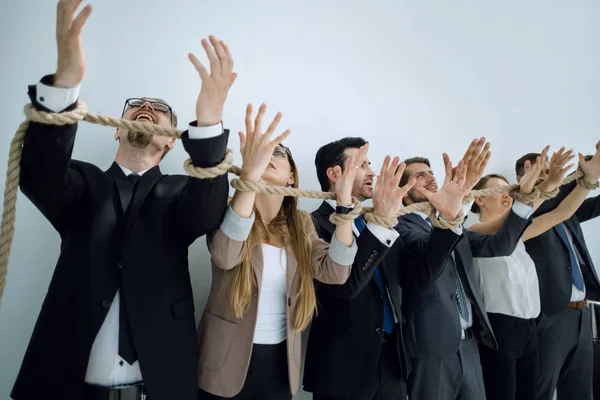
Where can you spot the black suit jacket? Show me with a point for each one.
(342, 357)
(144, 253)
(551, 256)
(432, 326)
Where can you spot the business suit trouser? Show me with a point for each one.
(566, 355)
(389, 384)
(456, 377)
(267, 376)
(510, 373)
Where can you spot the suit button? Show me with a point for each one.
(569, 268)
(453, 274)
(106, 303)
(453, 297)
(379, 331)
(120, 265)
(289, 302)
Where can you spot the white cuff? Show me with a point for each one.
(205, 132)
(235, 227)
(458, 230)
(56, 99)
(341, 254)
(522, 210)
(384, 235)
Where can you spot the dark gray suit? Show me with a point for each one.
(444, 365)
(565, 335)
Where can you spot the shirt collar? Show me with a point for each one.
(128, 172)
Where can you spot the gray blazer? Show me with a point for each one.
(224, 341)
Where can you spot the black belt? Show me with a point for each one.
(135, 392)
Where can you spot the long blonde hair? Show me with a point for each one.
(298, 231)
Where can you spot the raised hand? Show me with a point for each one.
(71, 60)
(533, 172)
(344, 185)
(591, 167)
(387, 195)
(257, 147)
(448, 200)
(558, 168)
(476, 159)
(216, 84)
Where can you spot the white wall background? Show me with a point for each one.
(414, 78)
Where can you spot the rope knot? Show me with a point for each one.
(338, 219)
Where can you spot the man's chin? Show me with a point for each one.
(139, 140)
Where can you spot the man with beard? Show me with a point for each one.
(444, 319)
(567, 279)
(356, 348)
(118, 318)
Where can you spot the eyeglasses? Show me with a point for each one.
(156, 105)
(281, 151)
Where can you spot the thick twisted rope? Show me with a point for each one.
(7, 226)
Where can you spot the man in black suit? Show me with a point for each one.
(118, 318)
(355, 348)
(444, 318)
(567, 278)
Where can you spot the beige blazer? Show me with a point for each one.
(225, 342)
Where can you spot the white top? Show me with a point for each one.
(271, 323)
(510, 284)
(105, 367)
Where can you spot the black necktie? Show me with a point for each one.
(126, 347)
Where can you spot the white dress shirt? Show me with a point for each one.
(510, 284)
(386, 236)
(105, 367)
(522, 210)
(271, 321)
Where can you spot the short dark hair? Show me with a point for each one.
(332, 154)
(520, 164)
(481, 185)
(413, 160)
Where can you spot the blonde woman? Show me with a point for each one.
(265, 257)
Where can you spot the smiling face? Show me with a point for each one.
(425, 179)
(146, 110)
(494, 204)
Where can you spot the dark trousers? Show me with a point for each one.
(267, 376)
(566, 355)
(91, 392)
(456, 377)
(510, 373)
(389, 385)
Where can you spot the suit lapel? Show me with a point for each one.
(142, 189)
(417, 220)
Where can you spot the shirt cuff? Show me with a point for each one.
(56, 99)
(341, 254)
(235, 227)
(204, 132)
(458, 230)
(522, 210)
(384, 235)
